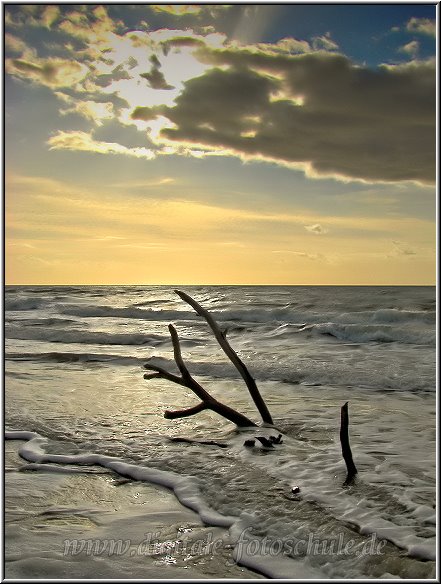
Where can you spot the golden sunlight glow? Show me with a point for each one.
(248, 134)
(71, 232)
(177, 66)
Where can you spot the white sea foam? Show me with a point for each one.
(185, 488)
(300, 463)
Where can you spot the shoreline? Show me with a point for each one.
(91, 523)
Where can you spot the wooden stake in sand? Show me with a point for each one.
(345, 447)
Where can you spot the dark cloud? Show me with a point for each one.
(182, 41)
(219, 103)
(106, 79)
(51, 72)
(155, 77)
(317, 109)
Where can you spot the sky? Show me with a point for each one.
(288, 144)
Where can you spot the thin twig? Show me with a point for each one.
(171, 415)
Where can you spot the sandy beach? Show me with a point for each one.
(90, 523)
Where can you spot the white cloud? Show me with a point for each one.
(401, 248)
(81, 141)
(183, 10)
(422, 26)
(316, 228)
(15, 44)
(50, 15)
(300, 254)
(136, 184)
(91, 110)
(411, 48)
(324, 42)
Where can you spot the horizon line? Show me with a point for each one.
(229, 285)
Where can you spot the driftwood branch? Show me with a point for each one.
(345, 447)
(204, 442)
(172, 415)
(231, 354)
(207, 402)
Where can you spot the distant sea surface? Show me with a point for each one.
(74, 376)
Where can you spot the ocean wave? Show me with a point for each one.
(254, 315)
(353, 333)
(313, 373)
(374, 333)
(132, 312)
(154, 302)
(71, 357)
(84, 337)
(17, 304)
(287, 315)
(43, 321)
(391, 315)
(376, 375)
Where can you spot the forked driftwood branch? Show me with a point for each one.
(232, 355)
(208, 402)
(345, 447)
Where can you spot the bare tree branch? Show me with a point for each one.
(162, 374)
(152, 375)
(231, 354)
(230, 414)
(177, 352)
(171, 415)
(186, 377)
(208, 402)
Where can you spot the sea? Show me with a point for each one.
(76, 401)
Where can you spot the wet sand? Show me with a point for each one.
(90, 523)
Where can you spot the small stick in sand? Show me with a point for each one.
(345, 447)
